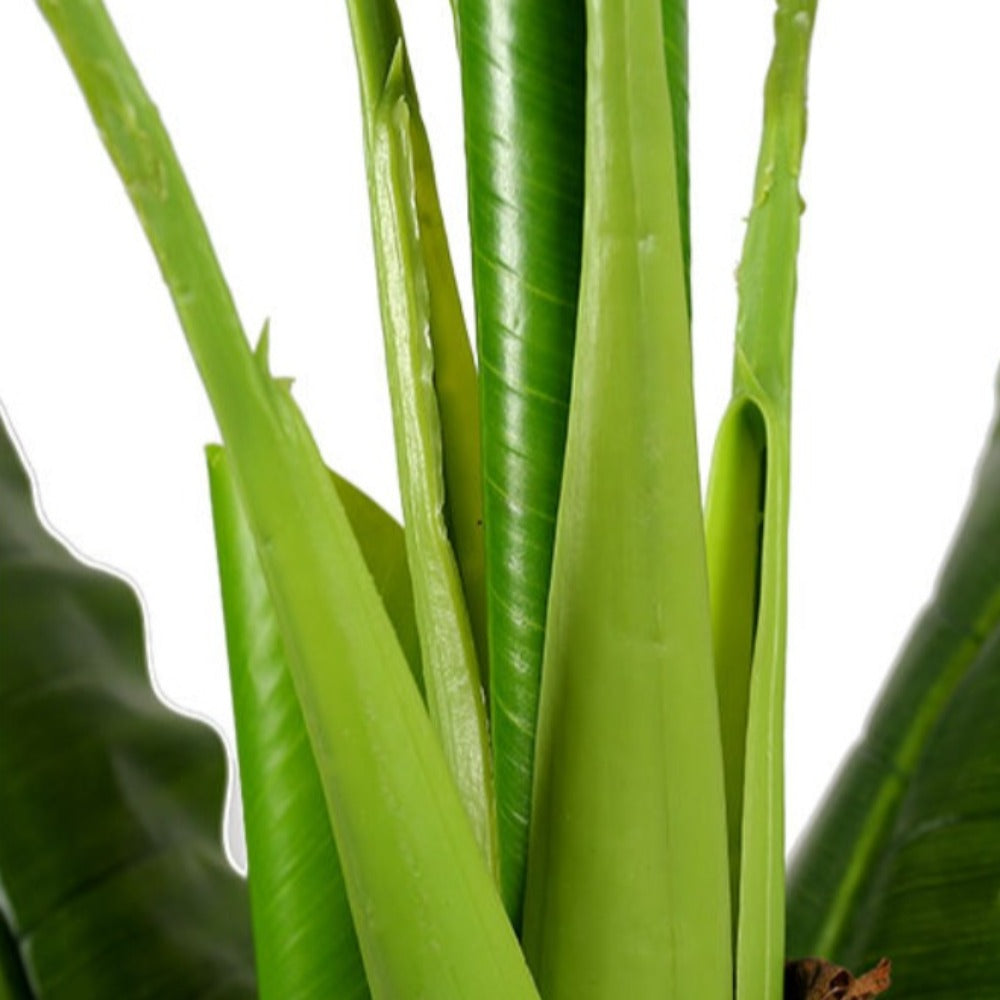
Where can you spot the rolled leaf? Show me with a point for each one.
(627, 891)
(303, 931)
(113, 881)
(408, 296)
(904, 854)
(747, 521)
(523, 87)
(378, 37)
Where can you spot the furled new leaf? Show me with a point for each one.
(523, 87)
(747, 521)
(627, 891)
(427, 354)
(903, 858)
(113, 880)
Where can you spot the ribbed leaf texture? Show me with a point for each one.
(523, 87)
(903, 859)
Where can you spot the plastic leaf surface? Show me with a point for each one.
(522, 83)
(113, 880)
(747, 521)
(408, 296)
(424, 907)
(627, 891)
(303, 931)
(904, 854)
(378, 43)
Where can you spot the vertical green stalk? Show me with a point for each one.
(432, 382)
(747, 521)
(523, 89)
(451, 676)
(377, 34)
(523, 84)
(627, 891)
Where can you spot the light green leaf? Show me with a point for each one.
(416, 883)
(304, 936)
(377, 38)
(451, 668)
(627, 890)
(747, 522)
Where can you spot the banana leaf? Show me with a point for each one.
(428, 920)
(627, 889)
(523, 89)
(903, 858)
(303, 932)
(113, 881)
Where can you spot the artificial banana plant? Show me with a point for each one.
(529, 743)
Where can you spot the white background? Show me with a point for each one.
(898, 329)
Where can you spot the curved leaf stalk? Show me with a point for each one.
(451, 675)
(912, 819)
(377, 35)
(747, 521)
(431, 377)
(424, 906)
(627, 890)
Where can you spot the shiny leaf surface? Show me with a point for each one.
(523, 87)
(303, 931)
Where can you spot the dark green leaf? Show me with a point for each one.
(903, 858)
(112, 874)
(523, 87)
(13, 978)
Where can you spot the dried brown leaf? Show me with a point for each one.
(816, 979)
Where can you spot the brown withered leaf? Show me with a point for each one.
(816, 979)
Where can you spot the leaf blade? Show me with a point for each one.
(627, 890)
(303, 932)
(140, 900)
(919, 762)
